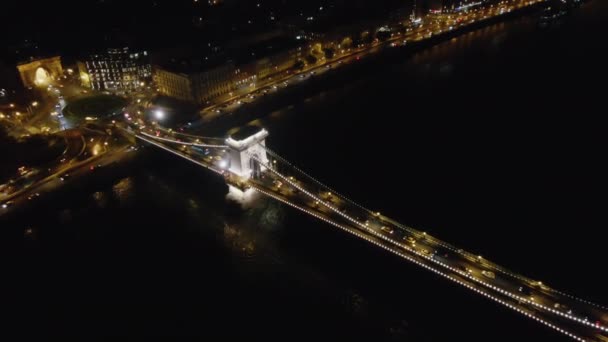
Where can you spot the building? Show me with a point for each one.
(423, 7)
(173, 83)
(116, 70)
(223, 71)
(40, 72)
(200, 80)
(271, 56)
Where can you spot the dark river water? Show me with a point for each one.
(494, 141)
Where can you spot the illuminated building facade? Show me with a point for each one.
(201, 82)
(116, 70)
(40, 72)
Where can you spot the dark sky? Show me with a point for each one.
(68, 27)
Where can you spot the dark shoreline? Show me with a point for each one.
(346, 74)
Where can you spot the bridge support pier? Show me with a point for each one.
(244, 145)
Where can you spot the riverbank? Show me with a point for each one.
(341, 74)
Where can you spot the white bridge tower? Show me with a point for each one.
(247, 143)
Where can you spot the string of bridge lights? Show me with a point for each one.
(409, 258)
(182, 142)
(495, 267)
(383, 237)
(488, 285)
(179, 154)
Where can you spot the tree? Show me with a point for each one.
(383, 35)
(299, 65)
(311, 60)
(329, 53)
(317, 49)
(367, 38)
(346, 43)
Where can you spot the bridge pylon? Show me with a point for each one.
(246, 148)
(245, 144)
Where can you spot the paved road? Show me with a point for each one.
(83, 154)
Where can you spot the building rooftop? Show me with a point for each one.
(266, 48)
(194, 64)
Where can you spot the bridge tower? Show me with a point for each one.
(247, 143)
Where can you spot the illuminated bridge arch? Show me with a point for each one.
(40, 72)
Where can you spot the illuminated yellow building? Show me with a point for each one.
(40, 72)
(115, 70)
(173, 84)
(85, 79)
(199, 82)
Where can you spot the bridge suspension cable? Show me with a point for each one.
(308, 186)
(195, 136)
(179, 154)
(413, 231)
(182, 142)
(430, 259)
(434, 270)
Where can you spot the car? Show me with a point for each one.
(440, 254)
(33, 196)
(465, 269)
(562, 308)
(525, 290)
(488, 274)
(410, 239)
(7, 204)
(64, 177)
(387, 230)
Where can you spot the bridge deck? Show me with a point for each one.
(574, 317)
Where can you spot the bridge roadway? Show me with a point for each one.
(576, 318)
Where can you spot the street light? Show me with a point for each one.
(159, 114)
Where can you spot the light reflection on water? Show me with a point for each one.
(124, 190)
(101, 199)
